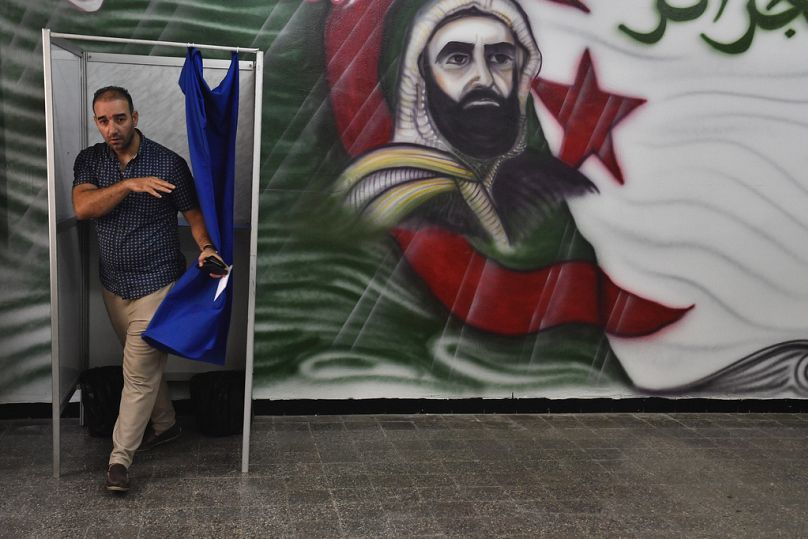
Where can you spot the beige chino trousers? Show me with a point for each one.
(145, 392)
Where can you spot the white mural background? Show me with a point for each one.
(712, 212)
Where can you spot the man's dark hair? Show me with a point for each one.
(112, 92)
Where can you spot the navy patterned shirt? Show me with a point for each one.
(138, 240)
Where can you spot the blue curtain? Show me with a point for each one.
(193, 320)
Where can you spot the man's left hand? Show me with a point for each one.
(206, 252)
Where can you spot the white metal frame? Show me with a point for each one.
(54, 275)
(49, 37)
(248, 370)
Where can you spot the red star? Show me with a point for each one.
(573, 3)
(588, 116)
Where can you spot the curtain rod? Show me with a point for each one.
(152, 42)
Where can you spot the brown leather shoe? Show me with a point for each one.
(117, 478)
(152, 440)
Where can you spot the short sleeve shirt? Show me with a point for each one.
(138, 240)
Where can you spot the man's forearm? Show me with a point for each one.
(200, 233)
(90, 202)
(198, 229)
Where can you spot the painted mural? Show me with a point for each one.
(483, 198)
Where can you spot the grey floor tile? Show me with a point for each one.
(434, 481)
(455, 509)
(21, 525)
(534, 491)
(339, 455)
(465, 527)
(317, 528)
(300, 512)
(302, 480)
(391, 498)
(446, 443)
(349, 481)
(89, 495)
(72, 523)
(361, 510)
(443, 492)
(478, 479)
(366, 527)
(406, 509)
(167, 531)
(380, 481)
(380, 445)
(219, 515)
(353, 494)
(402, 434)
(292, 426)
(298, 496)
(564, 475)
(265, 521)
(390, 425)
(203, 530)
(330, 426)
(480, 494)
(98, 531)
(422, 526)
(179, 516)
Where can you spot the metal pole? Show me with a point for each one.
(84, 251)
(256, 177)
(153, 42)
(56, 399)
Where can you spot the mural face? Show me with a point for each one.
(469, 67)
(473, 53)
(467, 198)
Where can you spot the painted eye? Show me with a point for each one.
(458, 59)
(501, 59)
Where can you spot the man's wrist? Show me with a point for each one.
(209, 246)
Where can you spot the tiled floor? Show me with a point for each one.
(604, 475)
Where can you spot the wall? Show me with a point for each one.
(646, 238)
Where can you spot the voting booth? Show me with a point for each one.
(74, 67)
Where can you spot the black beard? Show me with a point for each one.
(482, 132)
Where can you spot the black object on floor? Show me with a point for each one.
(101, 397)
(218, 402)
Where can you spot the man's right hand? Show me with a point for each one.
(92, 202)
(149, 184)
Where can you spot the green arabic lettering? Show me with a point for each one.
(758, 19)
(721, 9)
(666, 13)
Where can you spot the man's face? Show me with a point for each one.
(473, 53)
(115, 122)
(470, 67)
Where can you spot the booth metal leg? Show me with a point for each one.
(56, 442)
(81, 408)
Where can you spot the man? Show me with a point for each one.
(467, 153)
(476, 202)
(133, 188)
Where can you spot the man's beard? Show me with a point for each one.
(482, 132)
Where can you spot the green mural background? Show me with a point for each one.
(339, 314)
(337, 311)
